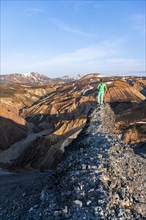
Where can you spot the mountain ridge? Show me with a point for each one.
(62, 110)
(34, 77)
(91, 182)
(24, 78)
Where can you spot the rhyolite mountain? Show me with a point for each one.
(25, 78)
(36, 78)
(139, 83)
(22, 95)
(131, 125)
(55, 114)
(12, 127)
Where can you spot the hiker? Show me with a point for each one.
(101, 91)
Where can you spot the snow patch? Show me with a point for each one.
(141, 122)
(41, 117)
(108, 83)
(90, 87)
(35, 79)
(26, 74)
(26, 86)
(16, 79)
(27, 95)
(74, 88)
(57, 114)
(120, 136)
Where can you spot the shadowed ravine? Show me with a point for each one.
(99, 178)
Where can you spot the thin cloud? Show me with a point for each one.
(138, 22)
(125, 61)
(138, 17)
(33, 11)
(125, 65)
(87, 54)
(18, 54)
(103, 57)
(79, 4)
(99, 6)
(74, 5)
(67, 28)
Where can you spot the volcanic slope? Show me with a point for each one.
(98, 178)
(131, 125)
(21, 95)
(79, 96)
(63, 113)
(122, 96)
(139, 83)
(12, 127)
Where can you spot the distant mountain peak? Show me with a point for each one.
(24, 78)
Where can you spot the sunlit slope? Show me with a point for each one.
(132, 124)
(22, 95)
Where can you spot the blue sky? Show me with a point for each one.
(58, 38)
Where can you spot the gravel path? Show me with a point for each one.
(92, 182)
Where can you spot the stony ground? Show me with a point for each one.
(99, 178)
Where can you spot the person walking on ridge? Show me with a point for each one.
(102, 88)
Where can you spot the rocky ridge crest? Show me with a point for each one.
(99, 178)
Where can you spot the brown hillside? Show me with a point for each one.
(132, 124)
(62, 112)
(21, 96)
(12, 126)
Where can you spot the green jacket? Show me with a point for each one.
(101, 87)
